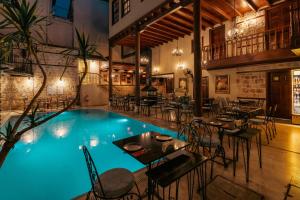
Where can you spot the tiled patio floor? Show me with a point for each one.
(281, 161)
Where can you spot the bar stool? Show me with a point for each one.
(263, 123)
(245, 138)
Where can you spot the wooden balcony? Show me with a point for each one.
(264, 47)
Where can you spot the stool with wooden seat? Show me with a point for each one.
(245, 138)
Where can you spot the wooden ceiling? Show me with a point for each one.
(179, 22)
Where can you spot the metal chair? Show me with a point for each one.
(264, 123)
(113, 184)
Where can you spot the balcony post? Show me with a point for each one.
(137, 69)
(197, 60)
(110, 92)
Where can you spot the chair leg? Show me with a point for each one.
(258, 145)
(138, 190)
(88, 195)
(267, 136)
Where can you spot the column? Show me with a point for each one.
(197, 60)
(137, 68)
(110, 93)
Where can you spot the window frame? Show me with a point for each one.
(115, 11)
(125, 3)
(70, 16)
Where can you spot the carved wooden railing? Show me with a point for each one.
(279, 38)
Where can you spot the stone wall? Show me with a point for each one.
(17, 90)
(252, 84)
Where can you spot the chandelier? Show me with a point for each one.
(144, 60)
(177, 51)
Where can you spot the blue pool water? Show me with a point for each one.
(48, 162)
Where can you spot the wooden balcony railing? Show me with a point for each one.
(279, 38)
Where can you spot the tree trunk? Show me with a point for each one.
(6, 148)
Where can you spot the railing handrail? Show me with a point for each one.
(263, 33)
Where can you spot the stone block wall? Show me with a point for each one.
(252, 84)
(15, 90)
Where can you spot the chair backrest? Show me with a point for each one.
(268, 113)
(93, 173)
(274, 111)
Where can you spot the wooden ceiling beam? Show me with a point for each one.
(143, 40)
(216, 8)
(156, 34)
(210, 17)
(183, 18)
(233, 7)
(170, 28)
(163, 33)
(207, 23)
(152, 37)
(162, 30)
(179, 23)
(175, 25)
(204, 13)
(251, 5)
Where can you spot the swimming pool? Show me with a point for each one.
(48, 162)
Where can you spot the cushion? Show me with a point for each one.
(115, 182)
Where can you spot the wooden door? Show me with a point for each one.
(169, 85)
(280, 92)
(278, 26)
(217, 42)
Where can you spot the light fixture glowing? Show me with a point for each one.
(29, 82)
(94, 67)
(104, 65)
(156, 70)
(144, 60)
(60, 83)
(181, 66)
(177, 51)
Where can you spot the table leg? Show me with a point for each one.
(149, 184)
(233, 155)
(248, 160)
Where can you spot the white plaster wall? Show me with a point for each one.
(138, 8)
(166, 63)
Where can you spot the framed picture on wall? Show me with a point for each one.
(116, 79)
(183, 85)
(222, 84)
(129, 78)
(123, 79)
(104, 78)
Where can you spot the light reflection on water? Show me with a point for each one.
(48, 162)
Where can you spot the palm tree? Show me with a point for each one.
(25, 32)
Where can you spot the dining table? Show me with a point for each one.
(149, 147)
(225, 126)
(177, 105)
(247, 112)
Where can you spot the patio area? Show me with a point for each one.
(280, 164)
(160, 99)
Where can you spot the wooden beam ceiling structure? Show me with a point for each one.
(174, 19)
